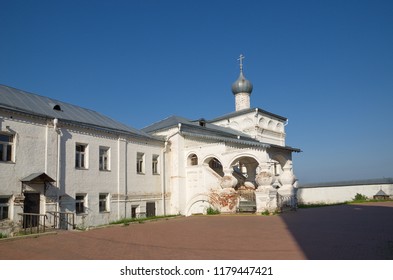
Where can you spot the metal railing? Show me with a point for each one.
(33, 222)
(63, 220)
(286, 202)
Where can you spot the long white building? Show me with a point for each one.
(74, 167)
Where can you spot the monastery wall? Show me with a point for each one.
(336, 194)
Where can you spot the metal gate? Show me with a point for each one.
(286, 202)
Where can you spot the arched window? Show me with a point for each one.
(192, 160)
(216, 165)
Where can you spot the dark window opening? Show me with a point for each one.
(202, 122)
(57, 108)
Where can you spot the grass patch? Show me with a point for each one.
(3, 235)
(127, 221)
(359, 198)
(315, 205)
(369, 200)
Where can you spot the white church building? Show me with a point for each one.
(72, 167)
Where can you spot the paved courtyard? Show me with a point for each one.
(362, 231)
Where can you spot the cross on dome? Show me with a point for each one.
(241, 85)
(241, 57)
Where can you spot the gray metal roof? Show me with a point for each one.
(216, 131)
(41, 176)
(381, 193)
(166, 123)
(210, 131)
(29, 103)
(207, 128)
(226, 139)
(245, 111)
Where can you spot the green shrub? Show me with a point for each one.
(3, 235)
(265, 213)
(212, 211)
(360, 197)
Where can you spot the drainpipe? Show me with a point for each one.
(163, 178)
(58, 131)
(46, 149)
(125, 177)
(118, 178)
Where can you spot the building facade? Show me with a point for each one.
(74, 167)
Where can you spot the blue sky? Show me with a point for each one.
(325, 65)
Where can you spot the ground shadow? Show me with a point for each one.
(344, 232)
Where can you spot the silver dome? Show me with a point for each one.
(242, 85)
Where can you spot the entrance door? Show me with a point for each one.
(31, 205)
(133, 212)
(150, 209)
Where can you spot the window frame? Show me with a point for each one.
(8, 147)
(140, 163)
(103, 200)
(104, 159)
(81, 157)
(82, 201)
(5, 204)
(155, 165)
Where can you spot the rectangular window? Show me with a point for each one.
(81, 156)
(103, 202)
(104, 158)
(6, 145)
(4, 206)
(80, 203)
(140, 165)
(155, 165)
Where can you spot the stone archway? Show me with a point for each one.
(244, 170)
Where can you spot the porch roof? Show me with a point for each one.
(38, 177)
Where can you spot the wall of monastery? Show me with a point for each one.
(336, 194)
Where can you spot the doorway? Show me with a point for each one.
(31, 205)
(133, 211)
(150, 209)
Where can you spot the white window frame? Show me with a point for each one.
(104, 159)
(140, 163)
(82, 199)
(7, 146)
(81, 157)
(155, 165)
(103, 199)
